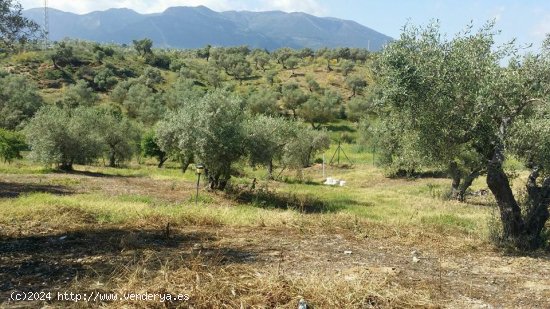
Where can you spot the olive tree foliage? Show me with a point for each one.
(305, 53)
(119, 136)
(293, 97)
(356, 84)
(312, 84)
(270, 139)
(233, 61)
(105, 79)
(14, 28)
(210, 130)
(67, 136)
(266, 138)
(64, 137)
(119, 92)
(204, 52)
(300, 151)
(183, 90)
(429, 82)
(263, 102)
(260, 58)
(320, 110)
(292, 63)
(142, 104)
(176, 133)
(143, 47)
(213, 77)
(281, 55)
(346, 66)
(464, 108)
(151, 77)
(79, 94)
(62, 55)
(19, 101)
(11, 145)
(150, 148)
(358, 107)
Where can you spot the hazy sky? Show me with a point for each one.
(526, 20)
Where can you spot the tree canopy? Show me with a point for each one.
(14, 27)
(458, 102)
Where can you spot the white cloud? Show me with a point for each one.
(307, 6)
(147, 6)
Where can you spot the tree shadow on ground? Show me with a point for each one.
(94, 174)
(55, 261)
(339, 128)
(266, 199)
(412, 175)
(13, 189)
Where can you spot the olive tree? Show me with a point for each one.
(14, 28)
(299, 152)
(79, 94)
(151, 148)
(234, 62)
(356, 83)
(209, 130)
(282, 55)
(266, 138)
(263, 101)
(358, 107)
(143, 46)
(119, 136)
(182, 91)
(220, 135)
(143, 104)
(176, 133)
(463, 106)
(11, 145)
(260, 58)
(293, 97)
(346, 66)
(320, 110)
(19, 101)
(64, 137)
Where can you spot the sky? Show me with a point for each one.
(527, 21)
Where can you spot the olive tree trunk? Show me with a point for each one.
(522, 231)
(216, 182)
(460, 182)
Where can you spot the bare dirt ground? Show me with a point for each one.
(451, 272)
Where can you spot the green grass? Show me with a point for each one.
(368, 195)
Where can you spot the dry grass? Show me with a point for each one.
(138, 230)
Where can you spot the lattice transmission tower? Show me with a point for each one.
(46, 25)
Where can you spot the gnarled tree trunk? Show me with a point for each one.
(456, 179)
(112, 157)
(460, 182)
(216, 182)
(467, 183)
(538, 201)
(270, 169)
(524, 232)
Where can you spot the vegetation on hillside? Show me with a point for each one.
(426, 102)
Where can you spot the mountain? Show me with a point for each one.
(193, 27)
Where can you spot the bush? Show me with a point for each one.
(11, 145)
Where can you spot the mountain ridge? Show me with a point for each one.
(193, 27)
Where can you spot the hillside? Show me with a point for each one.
(194, 27)
(237, 177)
